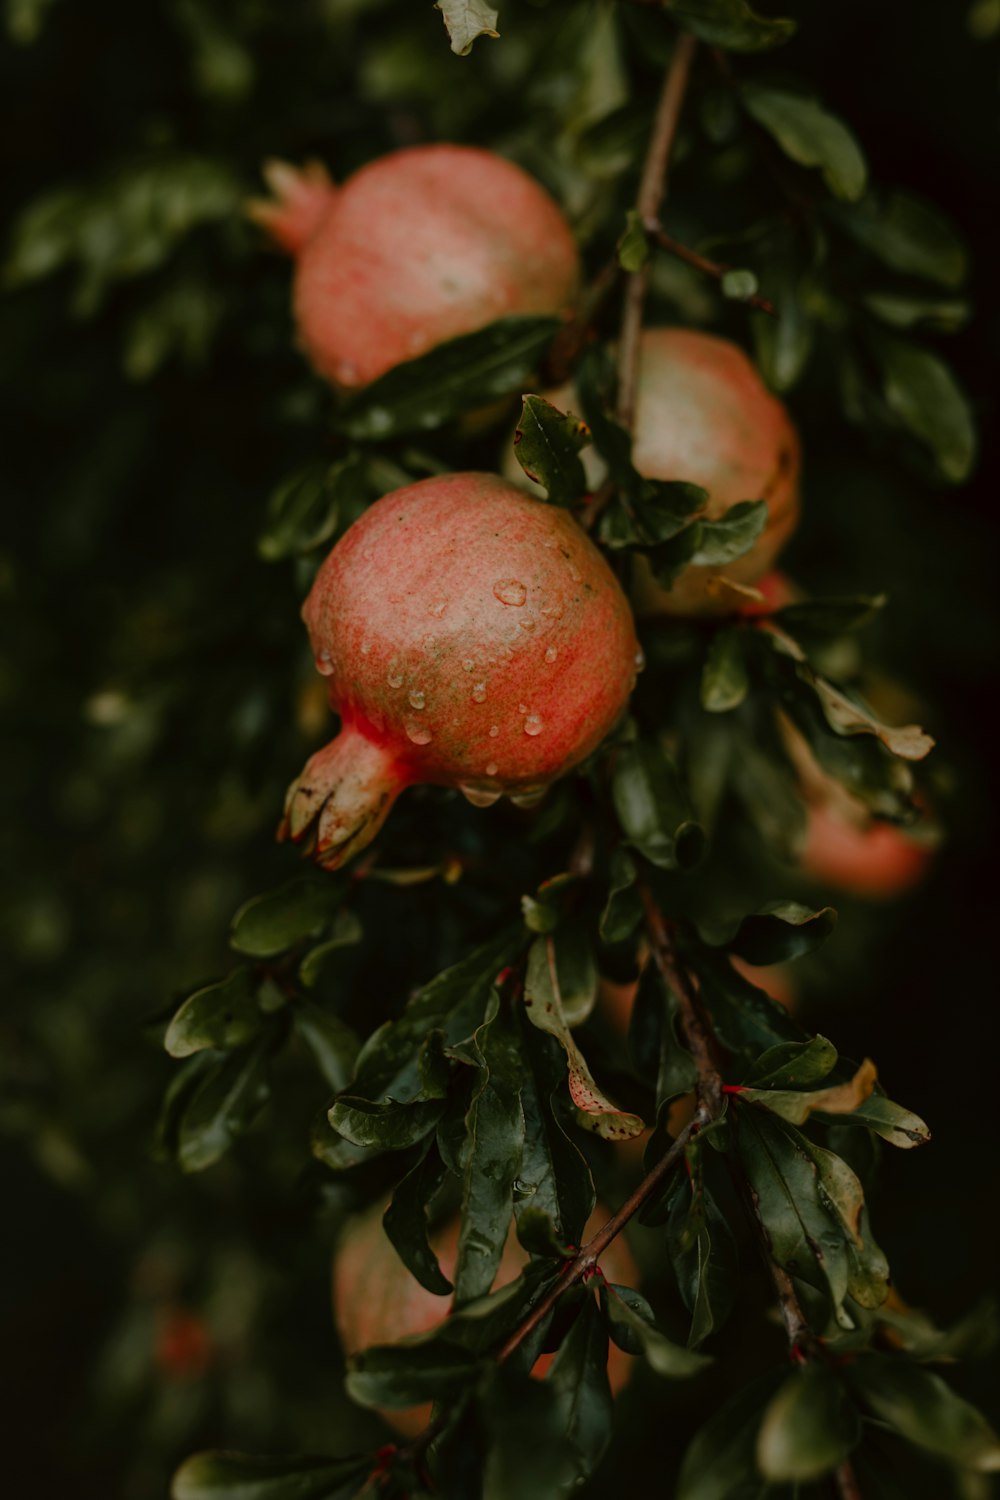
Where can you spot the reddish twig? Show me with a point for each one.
(714, 268)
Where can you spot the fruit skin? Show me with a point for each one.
(704, 415)
(472, 638)
(865, 858)
(377, 1301)
(418, 247)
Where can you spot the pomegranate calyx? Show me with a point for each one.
(301, 198)
(343, 795)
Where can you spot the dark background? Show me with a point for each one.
(150, 679)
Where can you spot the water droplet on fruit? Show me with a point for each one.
(552, 611)
(510, 591)
(494, 731)
(417, 732)
(437, 608)
(478, 795)
(527, 622)
(528, 796)
(574, 573)
(479, 692)
(417, 698)
(551, 653)
(533, 725)
(468, 664)
(640, 659)
(366, 646)
(324, 664)
(394, 676)
(522, 708)
(551, 542)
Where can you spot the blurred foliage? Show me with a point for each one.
(163, 437)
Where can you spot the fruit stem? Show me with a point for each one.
(342, 797)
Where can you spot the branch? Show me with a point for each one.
(714, 268)
(652, 188)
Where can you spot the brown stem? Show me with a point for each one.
(693, 1023)
(586, 1259)
(714, 268)
(846, 1481)
(652, 188)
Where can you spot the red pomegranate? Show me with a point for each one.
(416, 248)
(861, 855)
(704, 415)
(377, 1301)
(472, 638)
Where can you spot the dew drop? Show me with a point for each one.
(533, 725)
(394, 676)
(551, 542)
(510, 591)
(417, 698)
(437, 608)
(366, 646)
(524, 1189)
(528, 796)
(491, 769)
(551, 653)
(478, 795)
(395, 598)
(527, 622)
(574, 573)
(417, 732)
(640, 659)
(479, 692)
(324, 663)
(494, 731)
(552, 611)
(522, 708)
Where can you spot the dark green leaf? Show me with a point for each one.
(331, 1041)
(222, 1015)
(530, 1457)
(223, 1106)
(720, 1461)
(579, 1380)
(495, 1134)
(919, 1405)
(810, 135)
(724, 679)
(731, 536)
(453, 378)
(633, 245)
(244, 1476)
(623, 911)
(269, 924)
(900, 310)
(546, 445)
(922, 392)
(346, 932)
(405, 1221)
(780, 931)
(653, 807)
(391, 1126)
(746, 1019)
(808, 1426)
(704, 1258)
(425, 1368)
(555, 1185)
(793, 1064)
(906, 235)
(305, 510)
(731, 24)
(829, 618)
(633, 1327)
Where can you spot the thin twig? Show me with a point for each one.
(652, 188)
(714, 268)
(696, 1030)
(586, 1259)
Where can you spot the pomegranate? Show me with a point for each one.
(416, 248)
(858, 854)
(377, 1301)
(472, 638)
(704, 415)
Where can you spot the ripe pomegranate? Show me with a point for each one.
(704, 415)
(377, 1301)
(861, 855)
(472, 638)
(416, 248)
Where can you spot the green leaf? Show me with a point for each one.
(495, 1138)
(653, 807)
(907, 235)
(223, 1107)
(906, 312)
(305, 509)
(731, 24)
(576, 969)
(530, 1456)
(633, 1327)
(452, 378)
(829, 618)
(554, 1195)
(466, 20)
(543, 1004)
(894, 1124)
(546, 444)
(720, 1460)
(705, 1261)
(922, 392)
(731, 536)
(778, 932)
(633, 244)
(222, 1016)
(391, 1126)
(244, 1476)
(811, 136)
(424, 1368)
(269, 924)
(784, 343)
(405, 1221)
(793, 1064)
(919, 1405)
(746, 1019)
(725, 681)
(331, 1041)
(623, 910)
(838, 1099)
(808, 1428)
(578, 1378)
(346, 932)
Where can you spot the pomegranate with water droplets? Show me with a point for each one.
(472, 637)
(418, 247)
(377, 1301)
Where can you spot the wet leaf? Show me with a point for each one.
(546, 444)
(554, 1196)
(405, 1221)
(653, 807)
(223, 1016)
